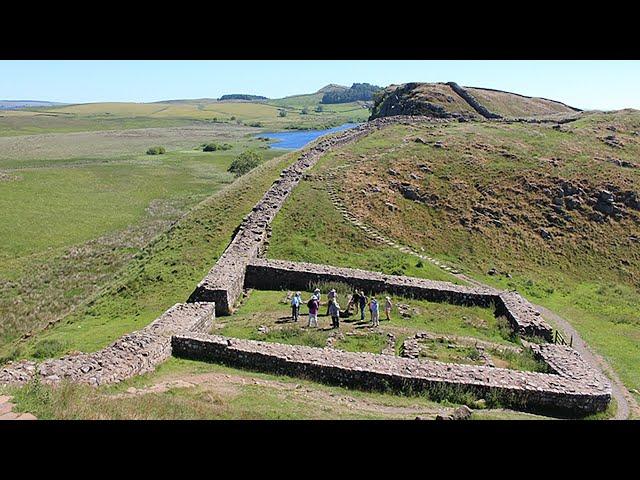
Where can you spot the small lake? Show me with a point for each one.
(292, 140)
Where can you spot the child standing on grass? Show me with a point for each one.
(373, 307)
(387, 307)
(314, 306)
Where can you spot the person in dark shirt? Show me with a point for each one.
(363, 303)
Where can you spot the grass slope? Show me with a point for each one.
(158, 275)
(119, 116)
(588, 272)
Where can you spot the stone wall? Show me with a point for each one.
(471, 100)
(579, 390)
(281, 274)
(132, 354)
(223, 284)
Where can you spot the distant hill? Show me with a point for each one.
(357, 92)
(17, 104)
(242, 96)
(312, 100)
(332, 87)
(452, 100)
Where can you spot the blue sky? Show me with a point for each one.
(583, 84)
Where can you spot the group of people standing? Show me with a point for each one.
(357, 300)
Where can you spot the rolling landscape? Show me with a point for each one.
(113, 213)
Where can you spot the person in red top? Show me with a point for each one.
(314, 306)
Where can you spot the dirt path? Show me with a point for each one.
(625, 401)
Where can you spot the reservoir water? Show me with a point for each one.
(299, 138)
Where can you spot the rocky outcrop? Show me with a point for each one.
(407, 100)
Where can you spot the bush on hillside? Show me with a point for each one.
(319, 109)
(246, 161)
(282, 113)
(156, 151)
(304, 111)
(213, 147)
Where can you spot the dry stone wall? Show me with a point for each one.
(281, 274)
(471, 100)
(223, 284)
(133, 354)
(578, 392)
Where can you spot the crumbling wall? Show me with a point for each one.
(471, 100)
(582, 392)
(132, 354)
(281, 274)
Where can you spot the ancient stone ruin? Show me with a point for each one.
(573, 387)
(132, 354)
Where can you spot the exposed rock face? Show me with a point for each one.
(574, 388)
(613, 141)
(406, 100)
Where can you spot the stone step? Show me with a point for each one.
(26, 416)
(5, 408)
(9, 416)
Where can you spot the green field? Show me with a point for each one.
(97, 239)
(200, 113)
(71, 226)
(266, 316)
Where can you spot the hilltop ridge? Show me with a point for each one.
(450, 100)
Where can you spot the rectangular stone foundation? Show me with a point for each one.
(523, 390)
(265, 274)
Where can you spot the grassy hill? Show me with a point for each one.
(514, 105)
(442, 99)
(553, 213)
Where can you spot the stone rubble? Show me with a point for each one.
(7, 413)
